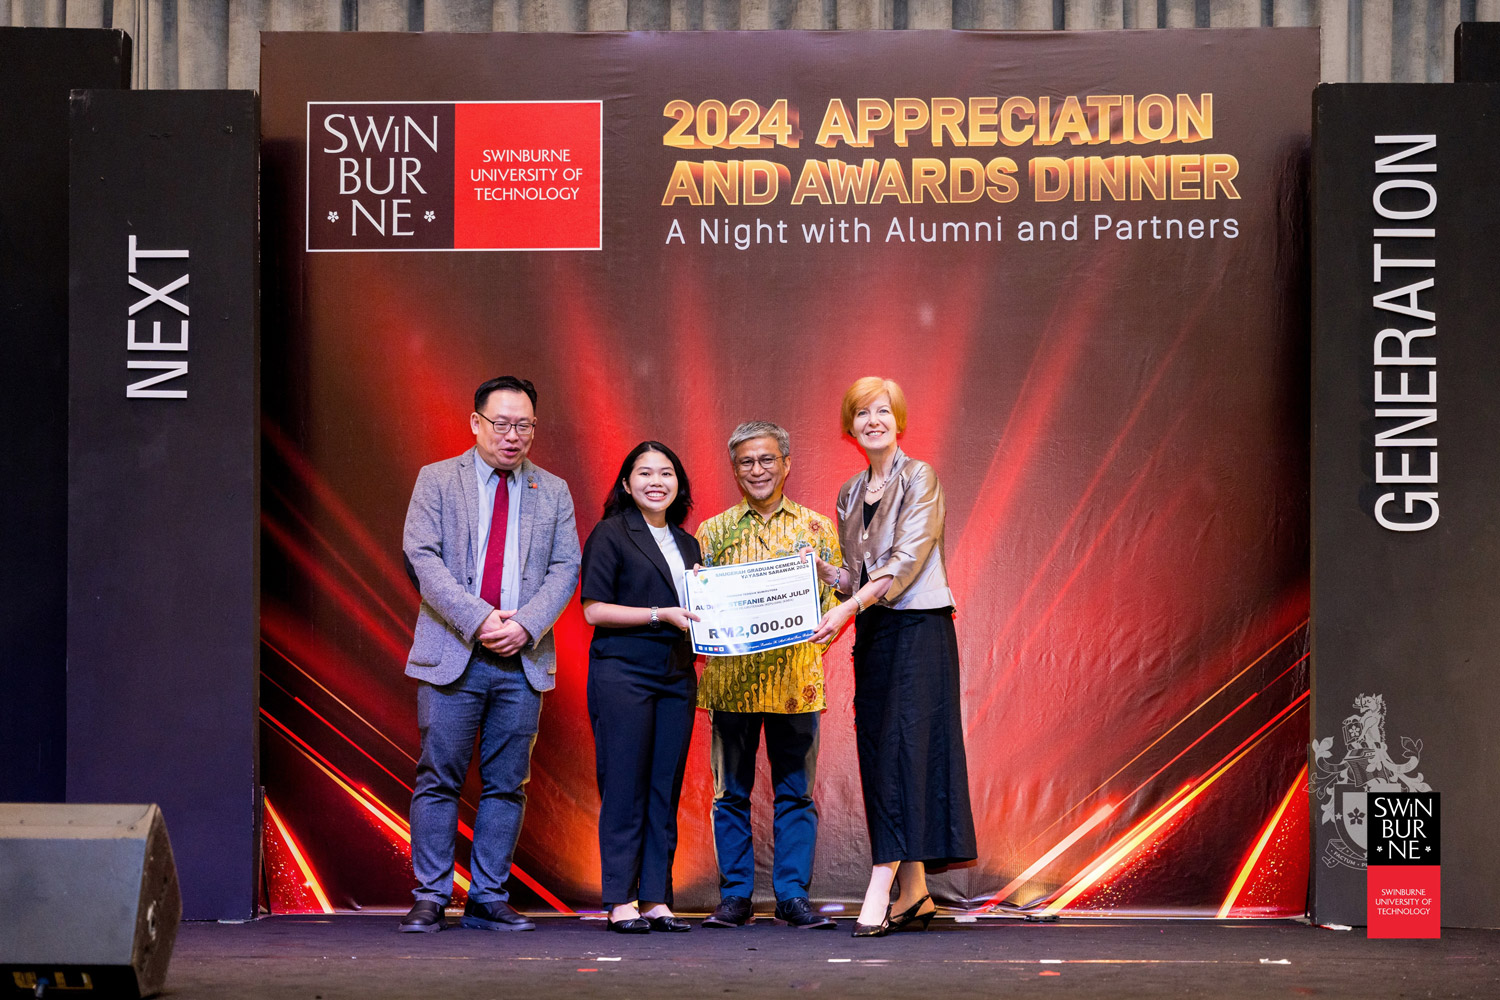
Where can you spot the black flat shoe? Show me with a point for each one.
(673, 924)
(874, 930)
(423, 918)
(911, 919)
(496, 915)
(630, 925)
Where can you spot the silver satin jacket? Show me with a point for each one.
(905, 538)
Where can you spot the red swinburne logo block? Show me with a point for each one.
(526, 176)
(1405, 901)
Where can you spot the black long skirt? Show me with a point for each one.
(909, 732)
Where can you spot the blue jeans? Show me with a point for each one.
(493, 700)
(792, 751)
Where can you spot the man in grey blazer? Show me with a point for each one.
(491, 541)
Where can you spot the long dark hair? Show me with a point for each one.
(620, 501)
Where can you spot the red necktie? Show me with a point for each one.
(494, 553)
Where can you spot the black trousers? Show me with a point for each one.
(641, 707)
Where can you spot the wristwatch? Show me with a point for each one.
(655, 621)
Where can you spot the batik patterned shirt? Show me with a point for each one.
(787, 680)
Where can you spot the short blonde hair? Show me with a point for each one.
(864, 391)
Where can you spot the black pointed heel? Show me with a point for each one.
(873, 930)
(910, 917)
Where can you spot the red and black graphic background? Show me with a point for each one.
(1120, 427)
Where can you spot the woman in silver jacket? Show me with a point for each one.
(907, 719)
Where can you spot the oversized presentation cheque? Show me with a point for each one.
(750, 607)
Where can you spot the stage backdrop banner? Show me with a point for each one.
(1476, 52)
(163, 478)
(1083, 257)
(38, 69)
(1406, 453)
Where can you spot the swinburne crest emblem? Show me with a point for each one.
(1353, 815)
(1343, 787)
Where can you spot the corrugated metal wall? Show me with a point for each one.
(214, 43)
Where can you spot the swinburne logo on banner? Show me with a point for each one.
(1405, 878)
(427, 175)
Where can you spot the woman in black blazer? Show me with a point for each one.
(642, 688)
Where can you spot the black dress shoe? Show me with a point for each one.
(732, 911)
(669, 923)
(425, 917)
(874, 930)
(798, 912)
(496, 915)
(911, 918)
(630, 925)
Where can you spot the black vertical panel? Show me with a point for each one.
(1476, 52)
(163, 490)
(38, 67)
(1409, 616)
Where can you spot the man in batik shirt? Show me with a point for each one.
(780, 690)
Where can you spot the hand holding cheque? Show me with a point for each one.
(751, 607)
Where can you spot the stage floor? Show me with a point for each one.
(362, 957)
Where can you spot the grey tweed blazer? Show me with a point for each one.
(441, 542)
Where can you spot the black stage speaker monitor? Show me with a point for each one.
(90, 900)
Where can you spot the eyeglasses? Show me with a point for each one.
(503, 427)
(764, 461)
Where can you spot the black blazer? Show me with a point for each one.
(622, 564)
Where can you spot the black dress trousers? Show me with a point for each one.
(642, 696)
(641, 708)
